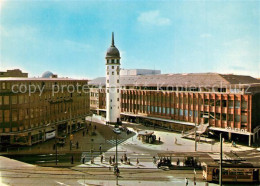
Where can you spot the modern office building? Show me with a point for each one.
(33, 110)
(227, 103)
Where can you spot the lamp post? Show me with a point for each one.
(220, 165)
(195, 136)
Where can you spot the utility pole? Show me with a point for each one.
(116, 162)
(220, 165)
(56, 148)
(195, 136)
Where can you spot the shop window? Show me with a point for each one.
(168, 110)
(218, 103)
(206, 102)
(190, 113)
(217, 116)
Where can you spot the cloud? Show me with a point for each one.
(153, 18)
(205, 35)
(76, 45)
(240, 56)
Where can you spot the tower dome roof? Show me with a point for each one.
(112, 51)
(47, 74)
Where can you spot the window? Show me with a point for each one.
(118, 61)
(155, 109)
(14, 115)
(112, 73)
(237, 118)
(224, 116)
(1, 116)
(117, 90)
(160, 110)
(163, 110)
(212, 103)
(237, 104)
(118, 81)
(1, 100)
(113, 67)
(190, 113)
(244, 104)
(110, 100)
(230, 104)
(172, 111)
(6, 100)
(224, 103)
(181, 112)
(230, 117)
(6, 116)
(186, 112)
(244, 119)
(117, 99)
(107, 81)
(117, 72)
(107, 61)
(112, 60)
(107, 90)
(107, 73)
(168, 110)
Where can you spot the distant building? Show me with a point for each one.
(49, 74)
(13, 73)
(55, 107)
(135, 72)
(227, 103)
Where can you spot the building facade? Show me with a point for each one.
(13, 73)
(33, 110)
(227, 103)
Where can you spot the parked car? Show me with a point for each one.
(117, 130)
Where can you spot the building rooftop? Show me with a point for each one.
(182, 80)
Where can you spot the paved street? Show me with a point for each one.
(143, 173)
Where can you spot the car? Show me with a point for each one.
(117, 130)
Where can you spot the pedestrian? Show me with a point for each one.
(72, 160)
(129, 163)
(159, 139)
(114, 159)
(77, 144)
(87, 131)
(83, 133)
(54, 146)
(83, 160)
(175, 140)
(100, 147)
(186, 181)
(95, 127)
(121, 160)
(92, 160)
(154, 160)
(110, 160)
(137, 161)
(102, 157)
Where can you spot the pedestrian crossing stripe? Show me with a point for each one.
(122, 142)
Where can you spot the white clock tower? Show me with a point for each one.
(113, 107)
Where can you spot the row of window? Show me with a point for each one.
(186, 113)
(116, 61)
(184, 100)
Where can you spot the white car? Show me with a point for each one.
(117, 130)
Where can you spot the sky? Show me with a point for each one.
(70, 38)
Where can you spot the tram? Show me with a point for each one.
(231, 172)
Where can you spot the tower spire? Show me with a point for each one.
(113, 43)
